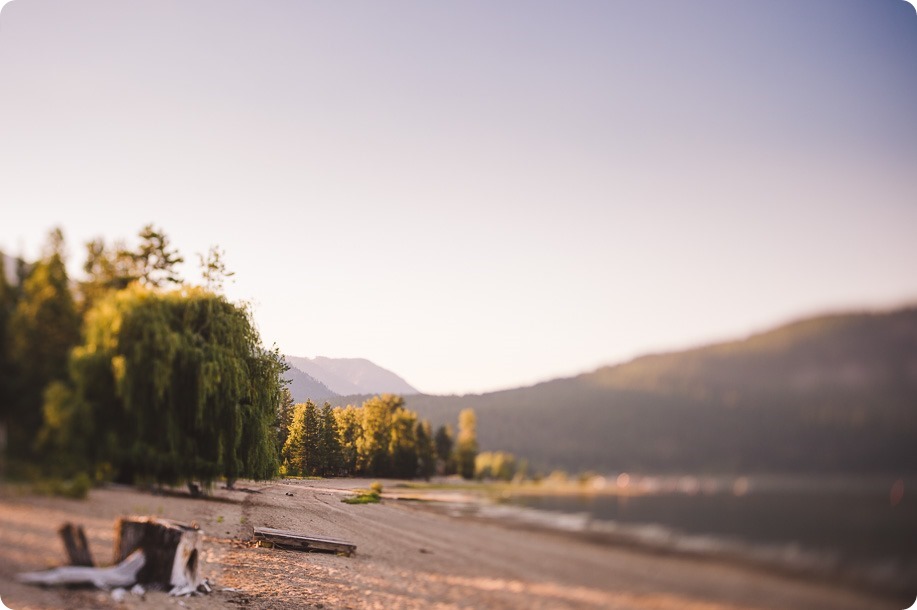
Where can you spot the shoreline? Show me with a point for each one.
(408, 557)
(493, 502)
(786, 561)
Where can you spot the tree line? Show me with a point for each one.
(380, 438)
(133, 374)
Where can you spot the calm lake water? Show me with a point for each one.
(864, 522)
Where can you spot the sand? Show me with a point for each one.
(408, 557)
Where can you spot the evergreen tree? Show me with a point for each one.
(284, 418)
(294, 448)
(115, 267)
(213, 269)
(466, 447)
(43, 328)
(444, 443)
(426, 451)
(156, 261)
(329, 444)
(302, 451)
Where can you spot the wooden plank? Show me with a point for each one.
(301, 542)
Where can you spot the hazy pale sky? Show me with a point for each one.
(476, 194)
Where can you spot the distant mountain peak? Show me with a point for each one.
(351, 376)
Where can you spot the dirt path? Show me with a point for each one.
(407, 557)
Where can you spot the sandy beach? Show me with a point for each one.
(408, 557)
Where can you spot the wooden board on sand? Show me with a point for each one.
(301, 542)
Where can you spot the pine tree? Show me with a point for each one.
(330, 444)
(426, 451)
(155, 260)
(444, 443)
(294, 448)
(284, 417)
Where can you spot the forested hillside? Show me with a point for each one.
(835, 393)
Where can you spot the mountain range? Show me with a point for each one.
(834, 393)
(322, 378)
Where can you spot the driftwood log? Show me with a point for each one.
(155, 553)
(122, 575)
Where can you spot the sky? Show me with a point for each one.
(479, 195)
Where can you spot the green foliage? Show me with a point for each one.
(176, 386)
(76, 488)
(403, 446)
(497, 465)
(350, 431)
(41, 330)
(376, 486)
(426, 451)
(829, 394)
(313, 447)
(466, 446)
(329, 445)
(365, 496)
(112, 268)
(300, 453)
(154, 260)
(374, 447)
(284, 417)
(380, 438)
(8, 299)
(444, 443)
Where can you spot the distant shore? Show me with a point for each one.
(409, 555)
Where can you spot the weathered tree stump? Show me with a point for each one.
(75, 544)
(172, 552)
(156, 553)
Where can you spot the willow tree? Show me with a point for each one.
(177, 385)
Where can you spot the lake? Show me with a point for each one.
(866, 527)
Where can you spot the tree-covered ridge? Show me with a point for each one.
(833, 393)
